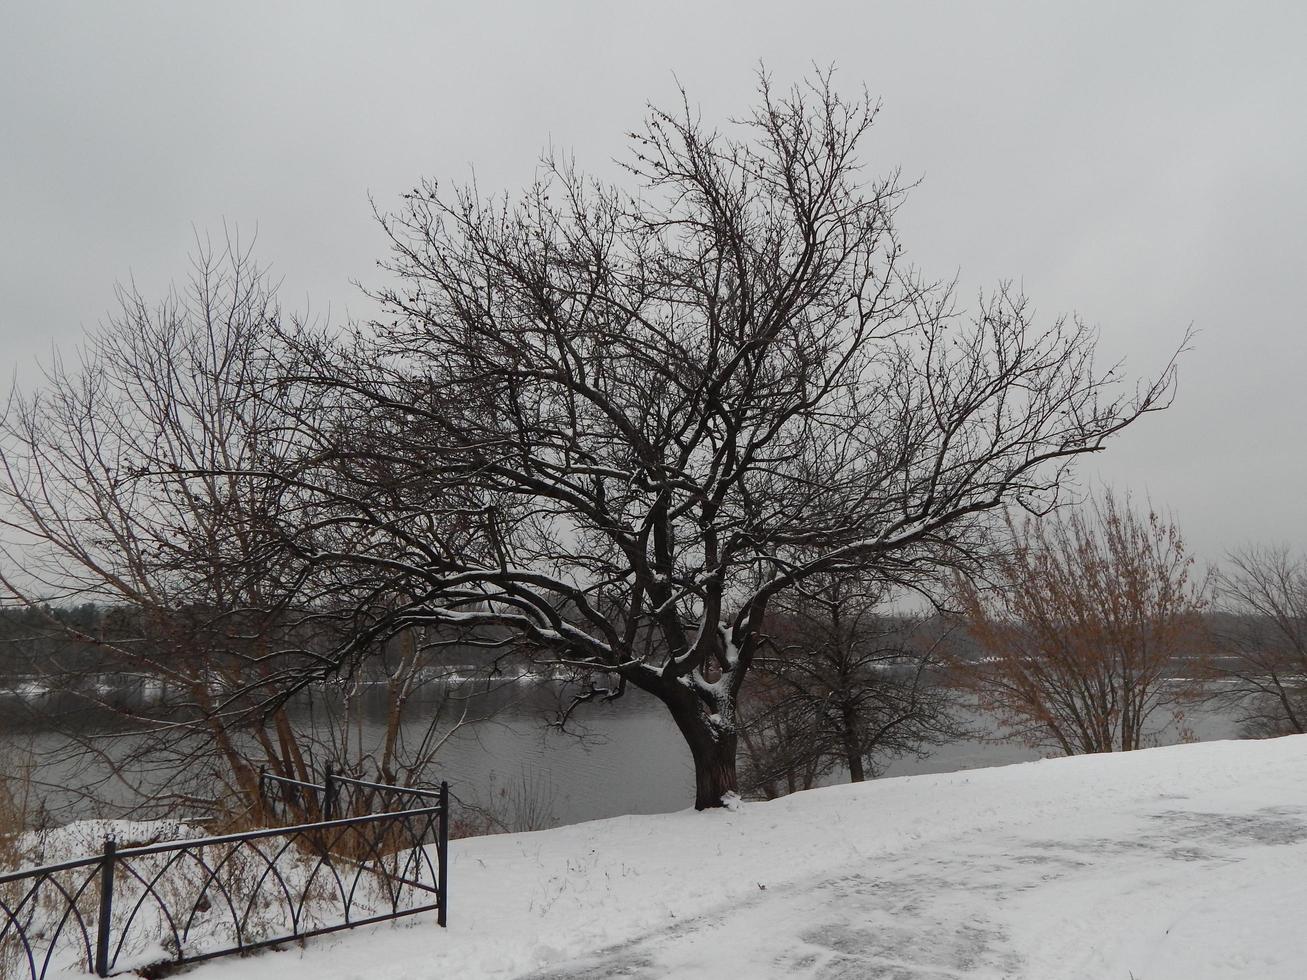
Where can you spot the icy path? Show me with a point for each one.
(1186, 862)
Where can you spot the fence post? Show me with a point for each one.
(106, 908)
(328, 795)
(442, 856)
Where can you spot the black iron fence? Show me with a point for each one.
(292, 800)
(190, 900)
(336, 796)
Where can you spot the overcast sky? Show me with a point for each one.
(1145, 168)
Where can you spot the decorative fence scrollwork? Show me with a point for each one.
(190, 900)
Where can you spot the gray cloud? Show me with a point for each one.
(1139, 164)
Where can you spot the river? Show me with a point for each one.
(629, 757)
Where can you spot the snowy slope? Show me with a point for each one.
(1183, 862)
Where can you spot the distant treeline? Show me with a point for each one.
(47, 640)
(35, 640)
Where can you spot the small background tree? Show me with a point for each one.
(1260, 640)
(841, 683)
(1090, 637)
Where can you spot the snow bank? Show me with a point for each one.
(1188, 861)
(85, 838)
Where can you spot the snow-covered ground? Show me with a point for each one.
(1183, 862)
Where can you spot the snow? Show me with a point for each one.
(85, 838)
(1181, 862)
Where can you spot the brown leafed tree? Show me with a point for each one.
(618, 422)
(1090, 636)
(1260, 640)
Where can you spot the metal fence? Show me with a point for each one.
(190, 900)
(336, 796)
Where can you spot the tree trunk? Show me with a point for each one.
(857, 774)
(712, 746)
(714, 771)
(852, 750)
(713, 752)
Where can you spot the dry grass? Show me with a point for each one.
(515, 806)
(17, 810)
(36, 907)
(17, 806)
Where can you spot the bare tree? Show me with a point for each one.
(131, 478)
(1260, 635)
(780, 753)
(841, 682)
(617, 425)
(1091, 639)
